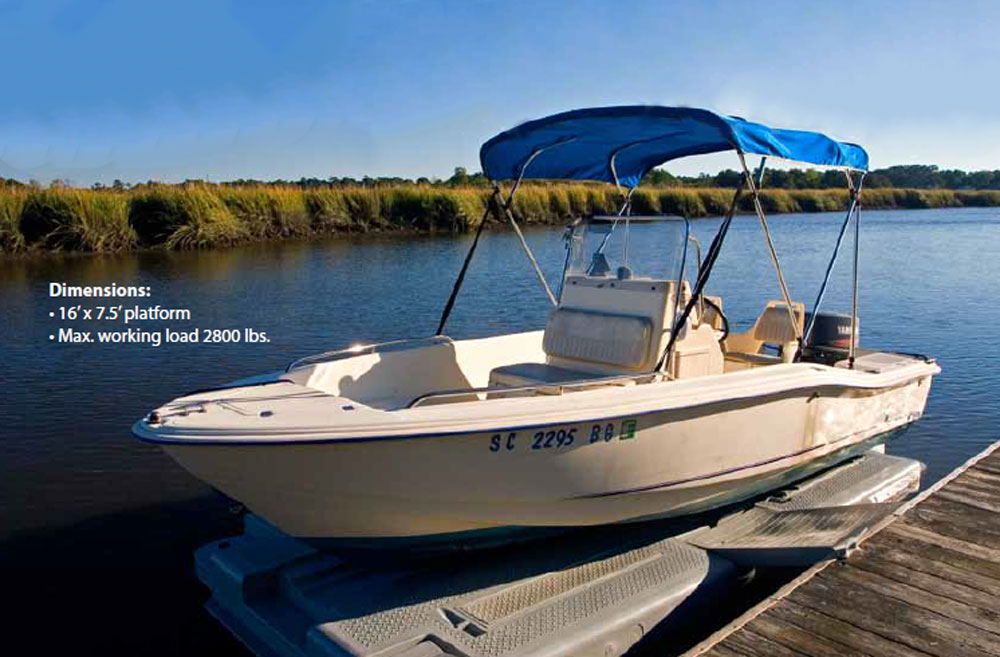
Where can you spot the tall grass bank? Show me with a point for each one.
(208, 216)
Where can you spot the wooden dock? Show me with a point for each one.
(925, 582)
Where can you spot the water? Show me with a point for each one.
(97, 529)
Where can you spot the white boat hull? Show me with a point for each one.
(631, 463)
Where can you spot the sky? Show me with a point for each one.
(226, 89)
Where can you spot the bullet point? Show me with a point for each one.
(52, 337)
(52, 314)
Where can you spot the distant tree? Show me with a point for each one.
(920, 176)
(877, 181)
(659, 178)
(728, 178)
(776, 178)
(983, 180)
(461, 177)
(478, 179)
(832, 179)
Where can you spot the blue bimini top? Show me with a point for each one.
(600, 142)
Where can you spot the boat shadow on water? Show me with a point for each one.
(125, 582)
(121, 583)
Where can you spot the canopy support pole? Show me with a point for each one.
(527, 249)
(703, 273)
(468, 258)
(855, 194)
(854, 299)
(507, 208)
(770, 243)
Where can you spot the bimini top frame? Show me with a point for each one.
(620, 145)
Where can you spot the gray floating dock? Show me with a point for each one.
(925, 582)
(580, 594)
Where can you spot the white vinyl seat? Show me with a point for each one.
(598, 337)
(580, 345)
(744, 350)
(536, 374)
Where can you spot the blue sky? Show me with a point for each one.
(107, 89)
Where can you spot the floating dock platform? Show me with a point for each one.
(925, 582)
(583, 593)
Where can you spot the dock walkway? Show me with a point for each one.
(925, 582)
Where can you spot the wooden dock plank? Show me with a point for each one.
(988, 492)
(987, 478)
(926, 540)
(941, 601)
(926, 583)
(989, 468)
(918, 628)
(982, 601)
(980, 479)
(859, 641)
(720, 650)
(969, 497)
(754, 645)
(922, 564)
(800, 640)
(958, 521)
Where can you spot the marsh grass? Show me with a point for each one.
(267, 212)
(184, 217)
(11, 205)
(103, 226)
(203, 216)
(426, 208)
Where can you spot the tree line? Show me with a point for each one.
(903, 176)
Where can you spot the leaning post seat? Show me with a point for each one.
(602, 327)
(621, 341)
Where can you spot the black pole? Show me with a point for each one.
(854, 295)
(703, 274)
(833, 261)
(465, 266)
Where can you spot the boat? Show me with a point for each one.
(635, 402)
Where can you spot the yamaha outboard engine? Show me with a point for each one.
(830, 340)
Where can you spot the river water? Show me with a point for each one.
(97, 530)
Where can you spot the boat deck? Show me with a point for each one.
(926, 583)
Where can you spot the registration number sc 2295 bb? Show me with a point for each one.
(559, 437)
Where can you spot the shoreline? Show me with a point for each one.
(199, 216)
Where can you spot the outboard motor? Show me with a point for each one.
(830, 340)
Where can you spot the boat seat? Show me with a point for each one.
(743, 350)
(605, 340)
(610, 339)
(745, 361)
(547, 377)
(523, 374)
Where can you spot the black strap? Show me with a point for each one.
(703, 274)
(465, 266)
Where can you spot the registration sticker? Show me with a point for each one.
(628, 430)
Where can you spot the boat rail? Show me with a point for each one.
(559, 386)
(363, 349)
